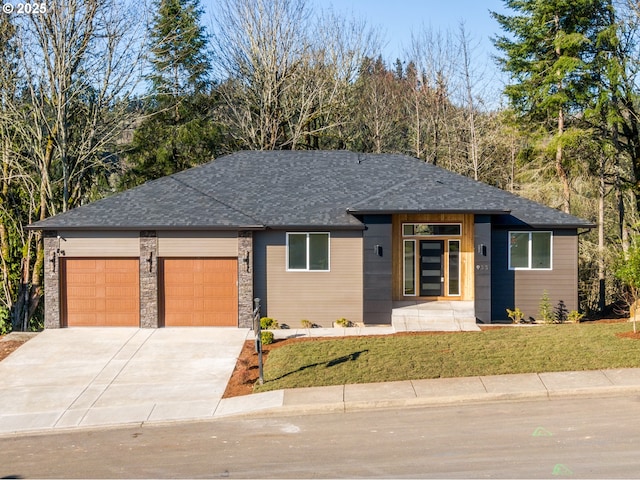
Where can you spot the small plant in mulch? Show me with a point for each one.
(516, 315)
(309, 324)
(344, 323)
(574, 316)
(560, 313)
(268, 323)
(266, 337)
(544, 309)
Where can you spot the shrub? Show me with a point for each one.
(343, 322)
(516, 315)
(5, 324)
(266, 337)
(628, 271)
(574, 316)
(560, 312)
(268, 323)
(309, 324)
(544, 309)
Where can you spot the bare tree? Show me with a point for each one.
(470, 106)
(379, 109)
(283, 74)
(260, 46)
(345, 47)
(431, 67)
(82, 61)
(79, 63)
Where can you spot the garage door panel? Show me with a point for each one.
(120, 278)
(122, 293)
(81, 291)
(127, 305)
(102, 292)
(81, 279)
(186, 318)
(227, 290)
(181, 291)
(200, 292)
(179, 278)
(116, 320)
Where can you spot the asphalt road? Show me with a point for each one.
(569, 438)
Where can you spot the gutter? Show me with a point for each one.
(354, 211)
(104, 228)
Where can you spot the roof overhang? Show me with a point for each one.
(316, 228)
(563, 226)
(355, 211)
(105, 228)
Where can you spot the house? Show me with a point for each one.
(317, 235)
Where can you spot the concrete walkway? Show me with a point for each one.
(96, 377)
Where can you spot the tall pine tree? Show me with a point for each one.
(549, 53)
(177, 132)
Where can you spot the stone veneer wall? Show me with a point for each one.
(52, 292)
(148, 279)
(245, 279)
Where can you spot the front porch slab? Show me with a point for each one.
(435, 316)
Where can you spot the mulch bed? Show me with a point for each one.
(7, 345)
(245, 374)
(635, 336)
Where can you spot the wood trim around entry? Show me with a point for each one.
(466, 252)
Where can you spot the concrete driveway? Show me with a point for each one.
(105, 376)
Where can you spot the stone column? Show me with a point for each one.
(148, 279)
(245, 279)
(52, 317)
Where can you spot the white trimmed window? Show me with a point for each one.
(530, 250)
(307, 252)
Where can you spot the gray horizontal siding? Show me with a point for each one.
(524, 288)
(320, 297)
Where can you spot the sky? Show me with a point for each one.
(397, 19)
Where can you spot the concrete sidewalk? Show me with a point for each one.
(92, 378)
(441, 391)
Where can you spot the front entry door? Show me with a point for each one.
(431, 271)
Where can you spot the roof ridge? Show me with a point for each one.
(235, 209)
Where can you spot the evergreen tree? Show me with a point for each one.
(549, 54)
(177, 132)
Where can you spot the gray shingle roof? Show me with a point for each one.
(300, 189)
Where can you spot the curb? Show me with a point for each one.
(275, 402)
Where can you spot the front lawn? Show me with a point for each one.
(543, 348)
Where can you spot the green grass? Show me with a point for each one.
(544, 348)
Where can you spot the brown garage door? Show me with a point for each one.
(199, 291)
(101, 292)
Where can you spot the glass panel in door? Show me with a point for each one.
(410, 267)
(454, 267)
(431, 274)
